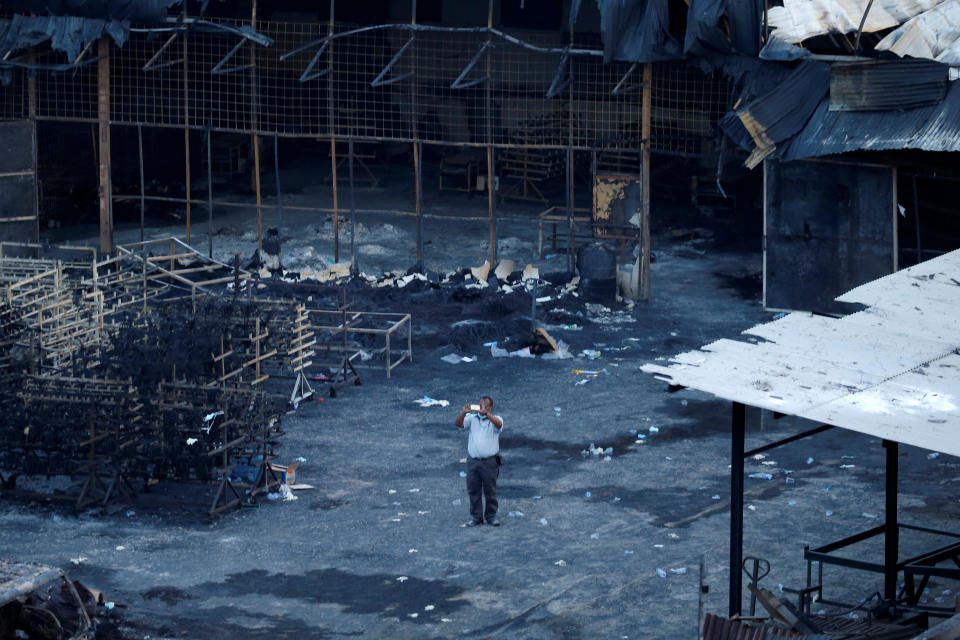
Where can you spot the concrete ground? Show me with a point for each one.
(377, 550)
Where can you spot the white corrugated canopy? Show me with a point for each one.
(891, 370)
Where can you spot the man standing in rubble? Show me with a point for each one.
(483, 459)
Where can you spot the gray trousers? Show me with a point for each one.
(482, 480)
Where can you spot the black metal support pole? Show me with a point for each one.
(891, 548)
(737, 439)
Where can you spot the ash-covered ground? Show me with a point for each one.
(377, 550)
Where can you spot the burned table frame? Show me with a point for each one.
(922, 566)
(359, 322)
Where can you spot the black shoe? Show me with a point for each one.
(472, 523)
(493, 523)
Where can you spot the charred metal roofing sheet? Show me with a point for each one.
(891, 371)
(931, 128)
(880, 85)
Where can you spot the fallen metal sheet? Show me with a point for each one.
(934, 35)
(884, 85)
(798, 20)
(891, 371)
(779, 114)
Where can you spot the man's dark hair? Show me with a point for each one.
(488, 399)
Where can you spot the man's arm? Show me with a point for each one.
(496, 420)
(463, 413)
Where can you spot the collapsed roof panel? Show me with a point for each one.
(798, 20)
(934, 34)
(66, 33)
(637, 31)
(897, 382)
(139, 11)
(779, 114)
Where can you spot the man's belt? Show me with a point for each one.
(487, 458)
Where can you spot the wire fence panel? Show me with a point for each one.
(687, 104)
(446, 86)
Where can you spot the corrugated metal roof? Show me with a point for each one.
(880, 85)
(934, 34)
(891, 371)
(931, 128)
(780, 113)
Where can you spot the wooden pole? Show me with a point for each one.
(186, 126)
(32, 114)
(571, 194)
(210, 189)
(103, 144)
(417, 166)
(353, 215)
(256, 187)
(417, 153)
(645, 109)
(333, 138)
(254, 108)
(336, 206)
(491, 196)
(186, 154)
(143, 202)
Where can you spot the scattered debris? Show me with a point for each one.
(427, 401)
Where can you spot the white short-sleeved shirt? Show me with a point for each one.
(484, 440)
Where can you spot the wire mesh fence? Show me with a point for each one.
(446, 86)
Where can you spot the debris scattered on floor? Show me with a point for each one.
(453, 358)
(427, 401)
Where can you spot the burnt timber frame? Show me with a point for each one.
(923, 565)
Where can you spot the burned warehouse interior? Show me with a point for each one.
(492, 319)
